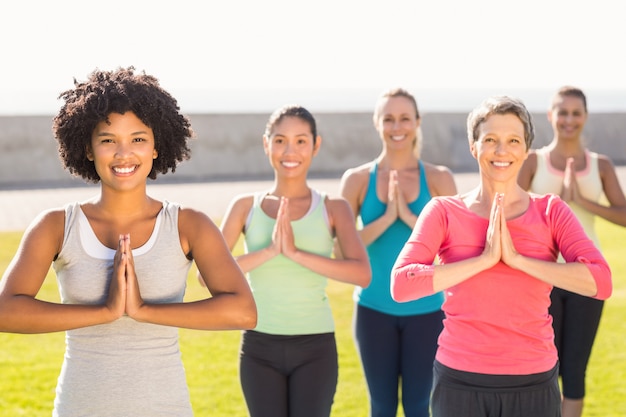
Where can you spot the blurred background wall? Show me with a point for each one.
(228, 146)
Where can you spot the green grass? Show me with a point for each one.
(29, 364)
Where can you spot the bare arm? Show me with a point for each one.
(233, 226)
(440, 180)
(527, 172)
(20, 309)
(229, 305)
(353, 187)
(615, 212)
(353, 267)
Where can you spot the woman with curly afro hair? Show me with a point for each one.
(122, 258)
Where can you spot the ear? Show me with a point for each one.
(155, 154)
(318, 143)
(473, 150)
(266, 145)
(89, 153)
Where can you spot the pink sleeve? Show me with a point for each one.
(412, 273)
(575, 246)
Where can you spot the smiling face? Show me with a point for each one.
(122, 150)
(396, 122)
(500, 148)
(291, 146)
(568, 116)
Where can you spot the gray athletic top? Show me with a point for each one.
(124, 368)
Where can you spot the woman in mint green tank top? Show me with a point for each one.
(288, 364)
(122, 258)
(396, 341)
(582, 178)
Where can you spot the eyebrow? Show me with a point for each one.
(297, 135)
(139, 132)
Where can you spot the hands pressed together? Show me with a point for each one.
(498, 243)
(283, 240)
(124, 296)
(569, 191)
(397, 207)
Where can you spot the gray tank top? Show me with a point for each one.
(124, 368)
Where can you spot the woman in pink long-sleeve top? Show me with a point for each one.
(497, 247)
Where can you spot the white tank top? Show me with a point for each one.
(548, 179)
(124, 368)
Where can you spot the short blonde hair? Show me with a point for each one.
(500, 105)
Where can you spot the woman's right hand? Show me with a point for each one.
(493, 240)
(116, 299)
(275, 245)
(392, 197)
(569, 182)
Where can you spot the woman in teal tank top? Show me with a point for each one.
(396, 341)
(288, 364)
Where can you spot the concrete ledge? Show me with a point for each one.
(228, 146)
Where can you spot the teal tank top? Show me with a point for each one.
(291, 299)
(384, 251)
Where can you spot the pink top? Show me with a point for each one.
(497, 321)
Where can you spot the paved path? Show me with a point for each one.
(19, 207)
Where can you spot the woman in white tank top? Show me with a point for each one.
(122, 258)
(581, 177)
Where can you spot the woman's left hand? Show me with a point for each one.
(288, 245)
(508, 252)
(134, 302)
(569, 190)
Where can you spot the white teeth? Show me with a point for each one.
(121, 170)
(290, 164)
(397, 138)
(501, 164)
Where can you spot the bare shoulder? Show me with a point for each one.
(47, 230)
(359, 173)
(356, 179)
(337, 204)
(51, 220)
(339, 211)
(528, 170)
(605, 163)
(437, 170)
(191, 219)
(440, 179)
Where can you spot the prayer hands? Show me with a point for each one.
(282, 236)
(124, 295)
(569, 191)
(499, 244)
(397, 206)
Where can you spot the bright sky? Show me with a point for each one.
(229, 55)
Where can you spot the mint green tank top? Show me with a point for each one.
(290, 299)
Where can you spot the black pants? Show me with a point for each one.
(288, 376)
(575, 320)
(467, 394)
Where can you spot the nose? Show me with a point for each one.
(500, 147)
(289, 147)
(122, 150)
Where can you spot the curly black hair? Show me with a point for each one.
(120, 91)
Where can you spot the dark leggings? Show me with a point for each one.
(284, 376)
(575, 320)
(468, 394)
(394, 348)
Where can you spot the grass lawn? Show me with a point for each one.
(29, 364)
